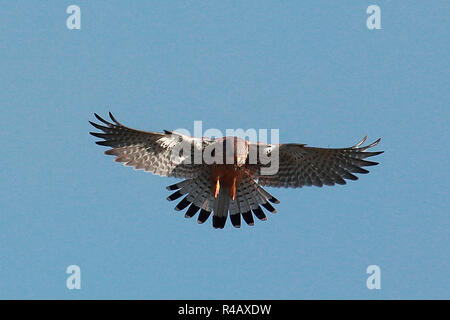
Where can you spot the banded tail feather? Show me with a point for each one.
(199, 198)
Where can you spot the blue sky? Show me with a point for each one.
(312, 70)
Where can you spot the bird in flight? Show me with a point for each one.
(230, 179)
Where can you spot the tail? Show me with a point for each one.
(199, 197)
(220, 208)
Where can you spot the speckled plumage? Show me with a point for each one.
(236, 188)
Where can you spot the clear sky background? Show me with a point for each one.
(311, 69)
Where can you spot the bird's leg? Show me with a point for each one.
(217, 187)
(233, 189)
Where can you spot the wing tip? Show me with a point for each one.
(360, 143)
(109, 124)
(373, 144)
(113, 118)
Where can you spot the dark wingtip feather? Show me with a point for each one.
(357, 169)
(369, 163)
(349, 176)
(100, 127)
(113, 119)
(107, 143)
(374, 153)
(102, 120)
(99, 135)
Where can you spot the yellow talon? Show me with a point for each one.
(233, 189)
(217, 189)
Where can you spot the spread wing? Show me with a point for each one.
(300, 165)
(162, 153)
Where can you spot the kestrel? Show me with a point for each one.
(233, 182)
